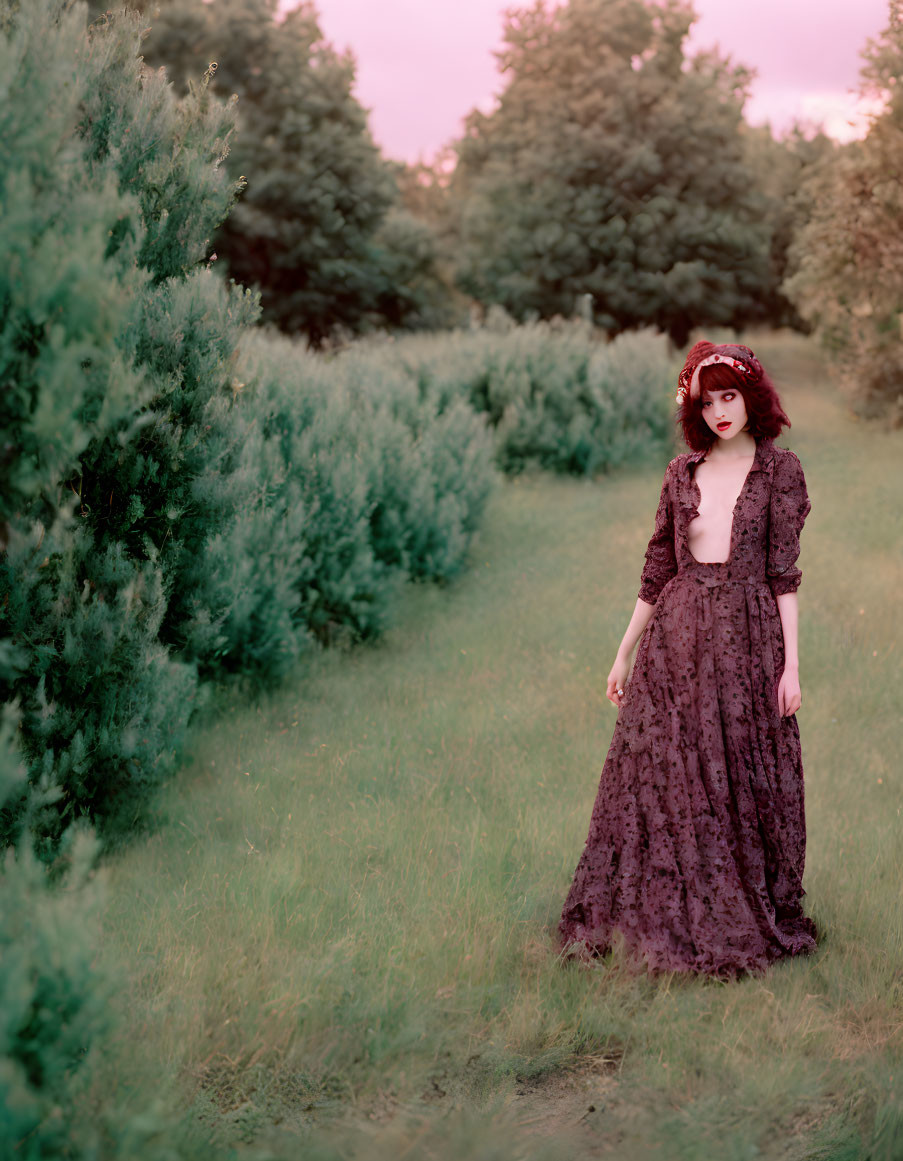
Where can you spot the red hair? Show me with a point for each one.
(765, 414)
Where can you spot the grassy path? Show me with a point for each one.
(351, 906)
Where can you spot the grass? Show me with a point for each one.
(349, 908)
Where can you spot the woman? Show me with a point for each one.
(696, 846)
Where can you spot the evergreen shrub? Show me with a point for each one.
(392, 488)
(104, 704)
(54, 1000)
(555, 395)
(163, 520)
(115, 362)
(60, 1095)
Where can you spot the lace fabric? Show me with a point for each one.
(696, 845)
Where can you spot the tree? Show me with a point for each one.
(782, 166)
(311, 230)
(613, 167)
(425, 193)
(847, 260)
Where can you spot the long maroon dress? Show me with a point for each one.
(697, 838)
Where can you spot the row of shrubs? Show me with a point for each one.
(289, 515)
(185, 498)
(555, 396)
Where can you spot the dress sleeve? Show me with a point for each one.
(661, 559)
(787, 513)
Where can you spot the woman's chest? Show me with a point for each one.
(723, 515)
(719, 488)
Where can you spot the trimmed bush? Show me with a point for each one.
(162, 521)
(110, 362)
(555, 395)
(59, 1026)
(54, 1002)
(392, 487)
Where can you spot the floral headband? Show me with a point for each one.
(741, 358)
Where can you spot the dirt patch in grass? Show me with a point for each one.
(573, 1112)
(581, 1103)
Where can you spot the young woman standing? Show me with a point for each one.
(697, 839)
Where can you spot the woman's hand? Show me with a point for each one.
(789, 697)
(614, 689)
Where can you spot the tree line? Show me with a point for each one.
(616, 175)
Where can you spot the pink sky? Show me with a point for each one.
(422, 65)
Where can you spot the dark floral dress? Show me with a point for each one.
(697, 838)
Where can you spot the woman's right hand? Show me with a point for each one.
(617, 679)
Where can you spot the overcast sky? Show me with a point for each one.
(422, 65)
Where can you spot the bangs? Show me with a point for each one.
(720, 376)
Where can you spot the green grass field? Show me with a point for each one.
(341, 936)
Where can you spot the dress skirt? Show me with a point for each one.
(697, 839)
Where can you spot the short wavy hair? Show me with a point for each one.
(766, 416)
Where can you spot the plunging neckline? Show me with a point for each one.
(694, 513)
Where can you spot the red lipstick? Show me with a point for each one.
(723, 426)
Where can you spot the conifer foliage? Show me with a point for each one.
(170, 514)
(393, 480)
(111, 188)
(124, 460)
(55, 1003)
(555, 395)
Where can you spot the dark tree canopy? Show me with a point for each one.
(847, 260)
(311, 228)
(614, 167)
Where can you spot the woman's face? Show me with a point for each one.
(724, 411)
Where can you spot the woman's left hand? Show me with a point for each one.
(789, 697)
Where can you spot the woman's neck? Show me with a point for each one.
(742, 446)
